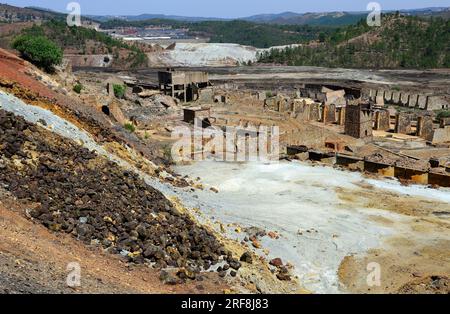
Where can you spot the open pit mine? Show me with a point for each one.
(362, 177)
(144, 179)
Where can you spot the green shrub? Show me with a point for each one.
(39, 50)
(77, 88)
(443, 114)
(130, 127)
(119, 90)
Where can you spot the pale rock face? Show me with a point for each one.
(207, 54)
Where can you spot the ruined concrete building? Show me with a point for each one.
(191, 115)
(382, 120)
(183, 85)
(358, 121)
(403, 123)
(407, 99)
(330, 94)
(425, 128)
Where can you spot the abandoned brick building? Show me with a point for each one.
(358, 121)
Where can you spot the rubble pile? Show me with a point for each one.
(80, 193)
(143, 113)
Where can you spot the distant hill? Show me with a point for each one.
(400, 42)
(264, 31)
(337, 18)
(16, 14)
(12, 14)
(143, 17)
(321, 19)
(287, 18)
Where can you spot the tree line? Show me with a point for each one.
(400, 42)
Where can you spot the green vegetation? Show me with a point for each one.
(237, 31)
(77, 88)
(119, 90)
(257, 35)
(87, 41)
(443, 114)
(39, 50)
(130, 127)
(401, 42)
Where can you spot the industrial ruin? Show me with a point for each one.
(387, 132)
(183, 85)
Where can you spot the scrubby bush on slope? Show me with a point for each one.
(39, 50)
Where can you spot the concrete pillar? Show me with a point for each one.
(422, 101)
(329, 114)
(396, 98)
(341, 116)
(413, 100)
(388, 96)
(404, 99)
(403, 123)
(425, 127)
(382, 120)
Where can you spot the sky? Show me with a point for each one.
(222, 8)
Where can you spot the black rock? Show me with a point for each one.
(247, 258)
(235, 264)
(222, 273)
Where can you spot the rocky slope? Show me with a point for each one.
(79, 193)
(76, 175)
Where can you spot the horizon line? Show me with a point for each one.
(230, 18)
